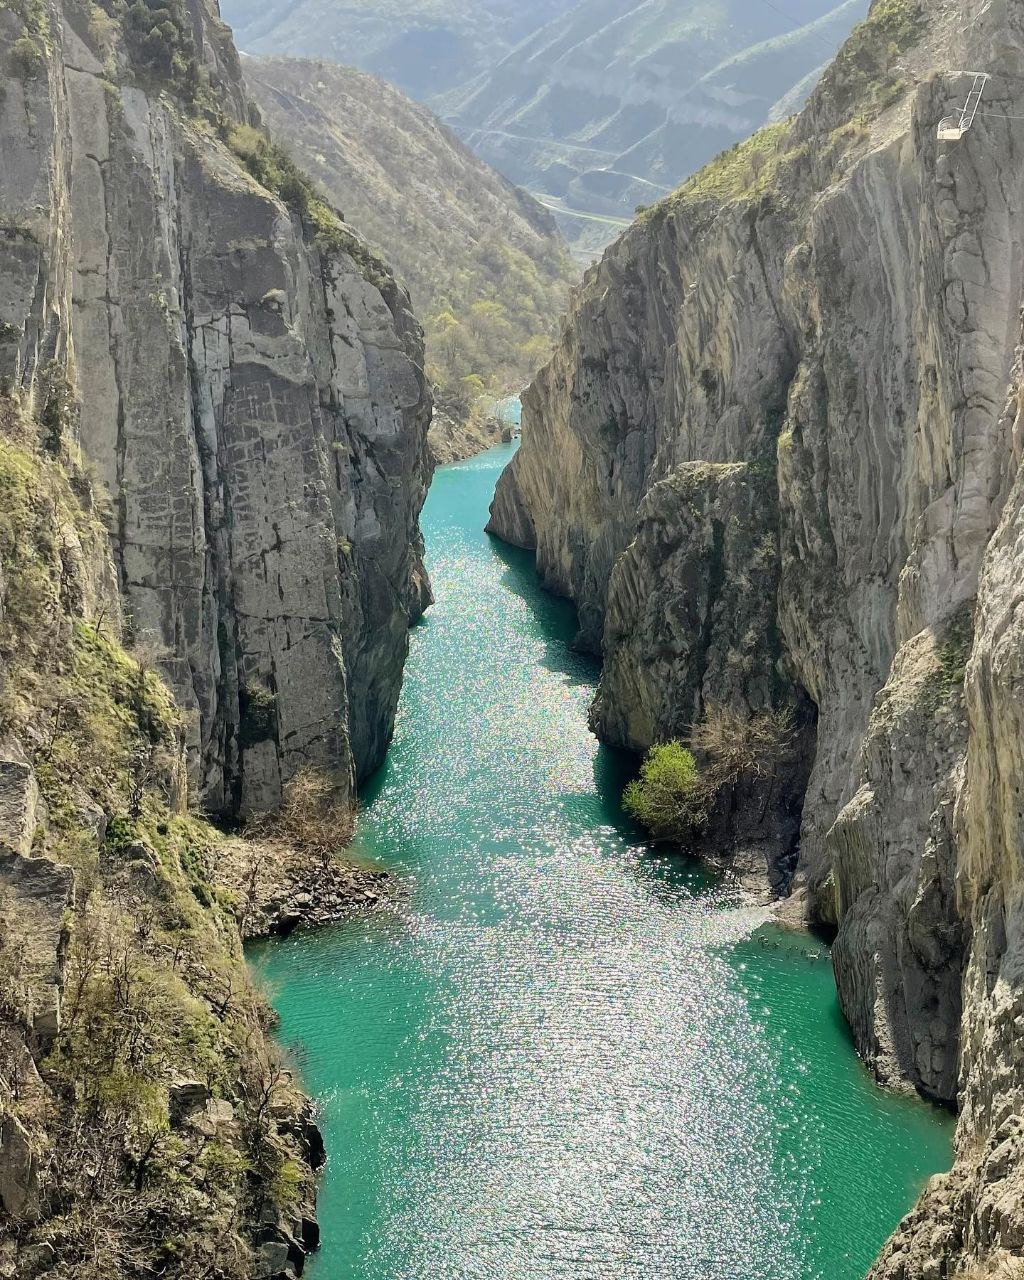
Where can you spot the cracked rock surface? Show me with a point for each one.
(251, 399)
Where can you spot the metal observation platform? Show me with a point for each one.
(952, 128)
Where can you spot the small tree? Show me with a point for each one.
(669, 798)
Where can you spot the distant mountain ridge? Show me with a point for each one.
(597, 106)
(616, 102)
(425, 47)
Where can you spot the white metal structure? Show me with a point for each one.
(953, 128)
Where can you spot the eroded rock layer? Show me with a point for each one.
(834, 307)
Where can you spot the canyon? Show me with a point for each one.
(773, 464)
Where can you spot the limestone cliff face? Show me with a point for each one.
(837, 303)
(250, 394)
(213, 423)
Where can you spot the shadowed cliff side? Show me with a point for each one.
(837, 302)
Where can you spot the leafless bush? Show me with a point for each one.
(732, 745)
(314, 816)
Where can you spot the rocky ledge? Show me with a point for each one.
(279, 888)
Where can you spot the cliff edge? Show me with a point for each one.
(213, 420)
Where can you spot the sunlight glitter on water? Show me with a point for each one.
(574, 1058)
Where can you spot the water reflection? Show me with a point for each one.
(569, 1061)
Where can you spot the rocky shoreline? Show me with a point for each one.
(277, 889)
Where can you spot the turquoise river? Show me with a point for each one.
(568, 1058)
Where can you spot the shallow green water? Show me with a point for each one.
(571, 1059)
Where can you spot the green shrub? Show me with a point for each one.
(257, 713)
(678, 788)
(58, 407)
(161, 43)
(668, 798)
(27, 58)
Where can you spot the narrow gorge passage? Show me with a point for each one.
(570, 1060)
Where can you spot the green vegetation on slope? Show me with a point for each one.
(865, 75)
(488, 273)
(745, 171)
(165, 1133)
(864, 80)
(273, 167)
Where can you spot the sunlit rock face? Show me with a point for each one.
(250, 395)
(839, 306)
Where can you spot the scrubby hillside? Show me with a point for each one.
(486, 267)
(775, 463)
(423, 46)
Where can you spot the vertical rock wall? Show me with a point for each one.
(251, 397)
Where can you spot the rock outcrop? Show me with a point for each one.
(485, 266)
(249, 391)
(836, 304)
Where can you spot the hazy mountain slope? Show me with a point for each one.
(424, 46)
(615, 102)
(487, 269)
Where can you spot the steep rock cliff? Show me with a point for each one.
(147, 1123)
(838, 300)
(250, 394)
(213, 425)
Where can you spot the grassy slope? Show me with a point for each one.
(487, 270)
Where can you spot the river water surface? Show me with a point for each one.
(572, 1059)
